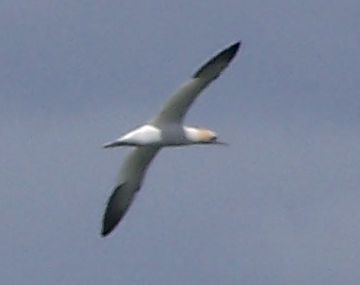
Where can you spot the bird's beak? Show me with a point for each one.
(221, 143)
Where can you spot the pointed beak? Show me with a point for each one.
(221, 143)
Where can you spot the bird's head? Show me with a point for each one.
(202, 136)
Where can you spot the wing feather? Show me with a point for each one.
(130, 180)
(176, 108)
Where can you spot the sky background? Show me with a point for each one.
(280, 205)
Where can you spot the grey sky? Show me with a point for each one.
(278, 206)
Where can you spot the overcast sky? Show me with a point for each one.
(280, 205)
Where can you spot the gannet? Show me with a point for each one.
(165, 129)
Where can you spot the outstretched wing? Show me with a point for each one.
(175, 109)
(131, 176)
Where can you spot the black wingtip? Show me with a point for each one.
(114, 211)
(107, 228)
(219, 61)
(231, 51)
(236, 46)
(105, 232)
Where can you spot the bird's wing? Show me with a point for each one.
(175, 109)
(131, 176)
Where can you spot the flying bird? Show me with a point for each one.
(165, 129)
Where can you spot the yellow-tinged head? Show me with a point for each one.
(201, 136)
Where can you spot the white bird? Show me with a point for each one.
(166, 129)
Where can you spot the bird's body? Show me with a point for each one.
(168, 135)
(166, 129)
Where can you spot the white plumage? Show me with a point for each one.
(166, 129)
